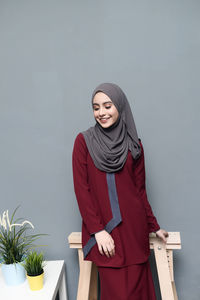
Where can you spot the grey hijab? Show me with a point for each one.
(109, 147)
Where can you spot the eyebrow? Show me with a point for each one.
(103, 103)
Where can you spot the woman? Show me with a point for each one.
(109, 182)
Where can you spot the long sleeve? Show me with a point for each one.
(139, 170)
(87, 209)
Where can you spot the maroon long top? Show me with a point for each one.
(131, 236)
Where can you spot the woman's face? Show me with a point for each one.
(104, 110)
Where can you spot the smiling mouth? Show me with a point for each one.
(104, 119)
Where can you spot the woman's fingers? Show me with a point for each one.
(107, 249)
(162, 234)
(105, 243)
(165, 235)
(100, 249)
(112, 247)
(163, 238)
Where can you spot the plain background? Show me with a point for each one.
(52, 55)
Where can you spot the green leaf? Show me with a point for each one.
(15, 244)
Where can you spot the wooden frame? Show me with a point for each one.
(87, 286)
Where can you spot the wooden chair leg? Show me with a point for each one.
(164, 275)
(84, 277)
(171, 269)
(174, 290)
(93, 295)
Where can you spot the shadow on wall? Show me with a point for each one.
(155, 275)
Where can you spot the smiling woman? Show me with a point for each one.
(105, 112)
(109, 182)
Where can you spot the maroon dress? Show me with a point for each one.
(95, 191)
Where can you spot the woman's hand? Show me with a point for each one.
(162, 234)
(105, 243)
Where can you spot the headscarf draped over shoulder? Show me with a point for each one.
(109, 147)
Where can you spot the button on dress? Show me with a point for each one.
(101, 196)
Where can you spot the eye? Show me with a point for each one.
(107, 107)
(95, 108)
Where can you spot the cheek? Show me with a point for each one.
(115, 114)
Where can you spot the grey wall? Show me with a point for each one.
(52, 55)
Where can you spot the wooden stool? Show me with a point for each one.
(87, 286)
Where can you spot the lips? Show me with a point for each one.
(104, 120)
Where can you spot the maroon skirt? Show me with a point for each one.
(133, 282)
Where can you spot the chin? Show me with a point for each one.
(105, 125)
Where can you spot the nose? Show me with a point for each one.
(101, 111)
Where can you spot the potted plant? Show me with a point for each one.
(34, 266)
(14, 245)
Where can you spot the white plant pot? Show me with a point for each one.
(13, 274)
